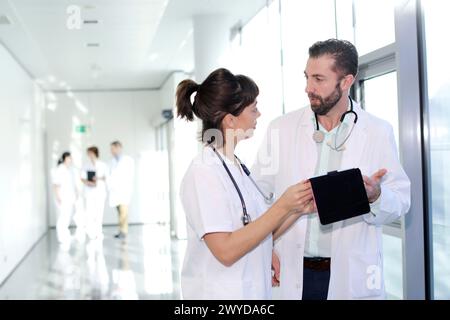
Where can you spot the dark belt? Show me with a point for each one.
(317, 264)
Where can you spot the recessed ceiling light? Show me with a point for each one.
(92, 44)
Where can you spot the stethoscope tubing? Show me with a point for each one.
(246, 219)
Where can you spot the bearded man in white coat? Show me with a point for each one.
(343, 260)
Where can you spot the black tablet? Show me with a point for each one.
(90, 175)
(340, 195)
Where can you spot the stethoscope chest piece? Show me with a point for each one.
(246, 219)
(318, 136)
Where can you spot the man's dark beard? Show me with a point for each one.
(326, 104)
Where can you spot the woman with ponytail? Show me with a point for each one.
(66, 194)
(230, 229)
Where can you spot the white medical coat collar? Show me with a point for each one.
(308, 156)
(305, 118)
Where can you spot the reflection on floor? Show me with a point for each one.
(144, 266)
(147, 266)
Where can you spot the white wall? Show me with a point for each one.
(116, 115)
(22, 185)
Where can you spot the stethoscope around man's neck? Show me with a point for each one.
(246, 219)
(319, 136)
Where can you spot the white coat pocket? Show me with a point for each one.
(366, 276)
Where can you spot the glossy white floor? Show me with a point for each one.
(144, 266)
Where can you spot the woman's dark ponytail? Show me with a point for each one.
(185, 89)
(221, 93)
(63, 157)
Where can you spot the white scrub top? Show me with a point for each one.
(101, 170)
(65, 178)
(211, 204)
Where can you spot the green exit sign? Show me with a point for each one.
(81, 129)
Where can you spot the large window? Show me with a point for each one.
(438, 64)
(374, 24)
(380, 99)
(302, 24)
(256, 53)
(367, 23)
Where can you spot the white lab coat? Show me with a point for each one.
(356, 250)
(95, 197)
(120, 181)
(212, 204)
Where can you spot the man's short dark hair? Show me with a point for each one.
(116, 143)
(344, 53)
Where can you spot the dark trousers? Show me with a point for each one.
(315, 284)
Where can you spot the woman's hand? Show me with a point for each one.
(298, 198)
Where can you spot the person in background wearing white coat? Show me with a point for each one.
(66, 194)
(230, 229)
(93, 177)
(120, 185)
(343, 260)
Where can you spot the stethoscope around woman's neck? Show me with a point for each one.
(246, 219)
(319, 136)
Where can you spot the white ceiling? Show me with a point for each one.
(140, 41)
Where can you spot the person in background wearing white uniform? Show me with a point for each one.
(120, 185)
(229, 252)
(66, 193)
(94, 192)
(343, 260)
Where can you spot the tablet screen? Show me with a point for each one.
(90, 175)
(340, 195)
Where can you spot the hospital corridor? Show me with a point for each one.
(114, 184)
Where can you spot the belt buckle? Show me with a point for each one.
(317, 263)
